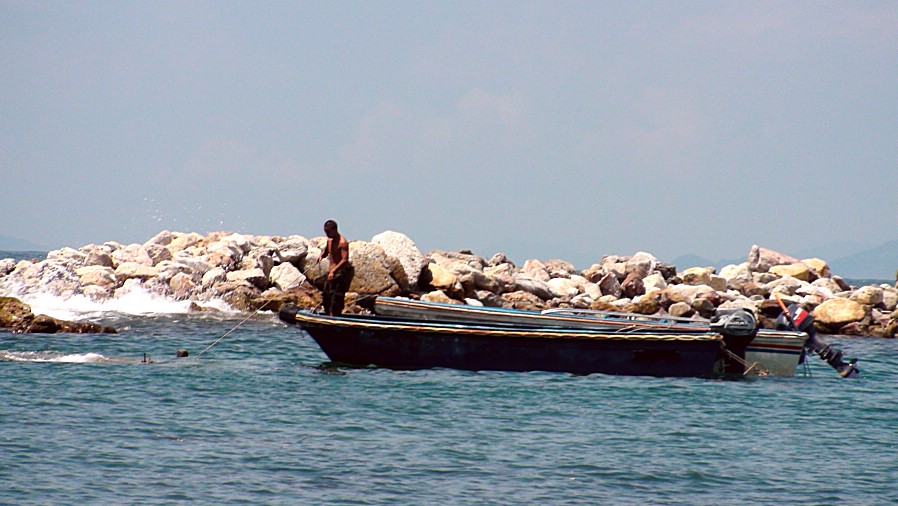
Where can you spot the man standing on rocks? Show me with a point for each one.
(339, 273)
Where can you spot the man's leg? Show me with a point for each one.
(327, 296)
(339, 294)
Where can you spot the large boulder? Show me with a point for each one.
(685, 293)
(99, 255)
(182, 285)
(697, 276)
(158, 253)
(181, 241)
(12, 311)
(401, 247)
(163, 238)
(837, 312)
(594, 273)
(736, 275)
(818, 267)
(533, 286)
(7, 265)
(225, 254)
(654, 282)
(132, 254)
(762, 259)
(642, 264)
(560, 268)
(304, 296)
(293, 250)
(285, 276)
(67, 257)
(787, 285)
(890, 299)
(17, 316)
(868, 295)
(564, 287)
(449, 259)
(798, 270)
(376, 273)
(214, 275)
(255, 277)
(633, 285)
(97, 275)
(523, 300)
(439, 296)
(131, 270)
(537, 270)
(610, 285)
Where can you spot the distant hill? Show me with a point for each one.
(8, 243)
(878, 262)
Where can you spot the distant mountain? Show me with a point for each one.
(833, 250)
(880, 262)
(16, 244)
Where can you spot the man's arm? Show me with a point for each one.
(324, 251)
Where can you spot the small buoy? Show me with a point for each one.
(181, 353)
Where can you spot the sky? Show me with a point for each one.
(557, 129)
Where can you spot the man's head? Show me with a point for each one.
(330, 228)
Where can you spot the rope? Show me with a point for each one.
(748, 367)
(232, 330)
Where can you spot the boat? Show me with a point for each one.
(409, 343)
(770, 352)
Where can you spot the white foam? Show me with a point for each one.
(34, 356)
(136, 301)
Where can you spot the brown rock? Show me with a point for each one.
(868, 295)
(17, 316)
(750, 289)
(439, 296)
(523, 300)
(762, 259)
(632, 285)
(12, 311)
(797, 270)
(593, 274)
(437, 277)
(645, 306)
(681, 310)
(704, 307)
(304, 296)
(697, 276)
(609, 285)
(818, 267)
(838, 312)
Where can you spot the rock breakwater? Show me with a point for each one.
(252, 272)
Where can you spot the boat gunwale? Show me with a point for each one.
(354, 321)
(629, 325)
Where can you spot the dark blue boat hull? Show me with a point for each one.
(361, 341)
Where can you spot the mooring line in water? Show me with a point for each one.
(232, 330)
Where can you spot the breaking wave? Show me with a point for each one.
(137, 301)
(50, 356)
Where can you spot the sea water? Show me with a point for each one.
(258, 419)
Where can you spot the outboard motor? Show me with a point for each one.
(734, 322)
(796, 318)
(738, 327)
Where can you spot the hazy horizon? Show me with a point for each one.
(541, 130)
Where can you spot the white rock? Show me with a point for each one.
(563, 287)
(285, 276)
(255, 277)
